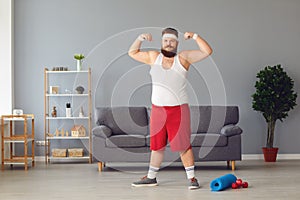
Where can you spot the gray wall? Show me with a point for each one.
(245, 36)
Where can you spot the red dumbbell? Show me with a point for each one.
(234, 186)
(245, 184)
(239, 183)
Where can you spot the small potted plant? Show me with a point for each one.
(79, 58)
(274, 98)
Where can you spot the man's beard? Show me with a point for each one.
(169, 54)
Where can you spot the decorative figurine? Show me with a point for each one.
(54, 113)
(79, 90)
(56, 132)
(62, 132)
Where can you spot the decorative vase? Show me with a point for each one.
(81, 114)
(68, 110)
(79, 65)
(270, 154)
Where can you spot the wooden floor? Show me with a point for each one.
(280, 180)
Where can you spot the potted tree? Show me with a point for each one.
(274, 98)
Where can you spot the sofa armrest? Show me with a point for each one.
(102, 131)
(230, 130)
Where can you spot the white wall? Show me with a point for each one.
(6, 59)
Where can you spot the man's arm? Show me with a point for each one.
(193, 56)
(141, 56)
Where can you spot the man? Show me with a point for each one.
(170, 116)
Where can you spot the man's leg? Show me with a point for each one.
(187, 158)
(179, 135)
(156, 158)
(158, 142)
(155, 162)
(158, 139)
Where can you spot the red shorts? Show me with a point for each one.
(170, 123)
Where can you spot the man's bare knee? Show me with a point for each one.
(182, 153)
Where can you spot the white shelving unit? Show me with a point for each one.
(59, 100)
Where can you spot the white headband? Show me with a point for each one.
(169, 35)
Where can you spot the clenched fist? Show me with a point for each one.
(188, 35)
(145, 36)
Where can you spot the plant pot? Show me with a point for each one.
(270, 154)
(79, 65)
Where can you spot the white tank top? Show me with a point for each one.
(168, 85)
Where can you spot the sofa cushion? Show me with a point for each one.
(203, 140)
(102, 131)
(148, 141)
(230, 130)
(126, 141)
(212, 118)
(121, 120)
(208, 140)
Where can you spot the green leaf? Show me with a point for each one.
(79, 56)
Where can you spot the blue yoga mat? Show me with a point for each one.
(222, 182)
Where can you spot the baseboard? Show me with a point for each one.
(244, 157)
(39, 158)
(279, 156)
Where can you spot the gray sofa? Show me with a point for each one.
(122, 135)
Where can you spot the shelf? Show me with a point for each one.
(19, 136)
(7, 140)
(21, 161)
(67, 118)
(69, 158)
(67, 95)
(67, 138)
(66, 72)
(16, 118)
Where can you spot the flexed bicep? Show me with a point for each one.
(204, 50)
(135, 52)
(193, 56)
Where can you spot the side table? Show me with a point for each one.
(11, 138)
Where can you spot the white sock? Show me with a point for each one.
(190, 172)
(152, 172)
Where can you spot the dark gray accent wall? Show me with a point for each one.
(245, 36)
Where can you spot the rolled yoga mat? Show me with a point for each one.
(222, 182)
